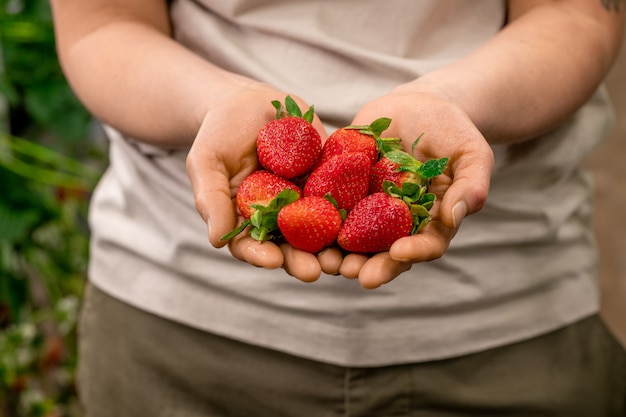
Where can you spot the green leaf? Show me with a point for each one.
(427, 200)
(43, 156)
(7, 90)
(378, 126)
(331, 199)
(386, 145)
(263, 222)
(259, 234)
(419, 213)
(310, 113)
(256, 219)
(411, 192)
(421, 224)
(16, 224)
(279, 108)
(392, 189)
(292, 107)
(236, 231)
(286, 196)
(433, 168)
(268, 221)
(36, 162)
(258, 207)
(415, 142)
(53, 104)
(405, 161)
(375, 129)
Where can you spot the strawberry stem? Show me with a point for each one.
(375, 129)
(291, 108)
(263, 224)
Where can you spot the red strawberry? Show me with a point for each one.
(259, 189)
(364, 139)
(310, 223)
(259, 198)
(345, 177)
(289, 146)
(387, 170)
(375, 223)
(400, 167)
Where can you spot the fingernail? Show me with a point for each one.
(459, 211)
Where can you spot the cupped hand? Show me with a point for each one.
(222, 155)
(446, 131)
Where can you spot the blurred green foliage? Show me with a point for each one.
(49, 163)
(41, 104)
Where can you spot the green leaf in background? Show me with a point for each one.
(14, 224)
(38, 163)
(7, 90)
(45, 180)
(54, 105)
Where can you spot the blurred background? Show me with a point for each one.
(51, 156)
(610, 176)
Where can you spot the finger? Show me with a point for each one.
(427, 245)
(380, 269)
(351, 265)
(330, 260)
(299, 264)
(263, 254)
(471, 176)
(213, 198)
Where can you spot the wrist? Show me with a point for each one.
(468, 97)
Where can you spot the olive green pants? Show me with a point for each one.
(134, 364)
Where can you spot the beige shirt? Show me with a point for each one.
(523, 266)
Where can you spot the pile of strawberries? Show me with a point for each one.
(358, 190)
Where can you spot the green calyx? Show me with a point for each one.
(291, 108)
(386, 145)
(423, 170)
(263, 222)
(375, 130)
(342, 212)
(414, 191)
(417, 197)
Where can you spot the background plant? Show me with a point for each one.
(49, 163)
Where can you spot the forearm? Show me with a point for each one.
(132, 75)
(535, 73)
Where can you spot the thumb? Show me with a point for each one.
(213, 199)
(467, 193)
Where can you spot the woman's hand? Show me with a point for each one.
(461, 190)
(222, 155)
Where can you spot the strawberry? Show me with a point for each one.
(387, 170)
(375, 223)
(364, 139)
(345, 177)
(259, 198)
(310, 223)
(400, 167)
(259, 189)
(289, 145)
